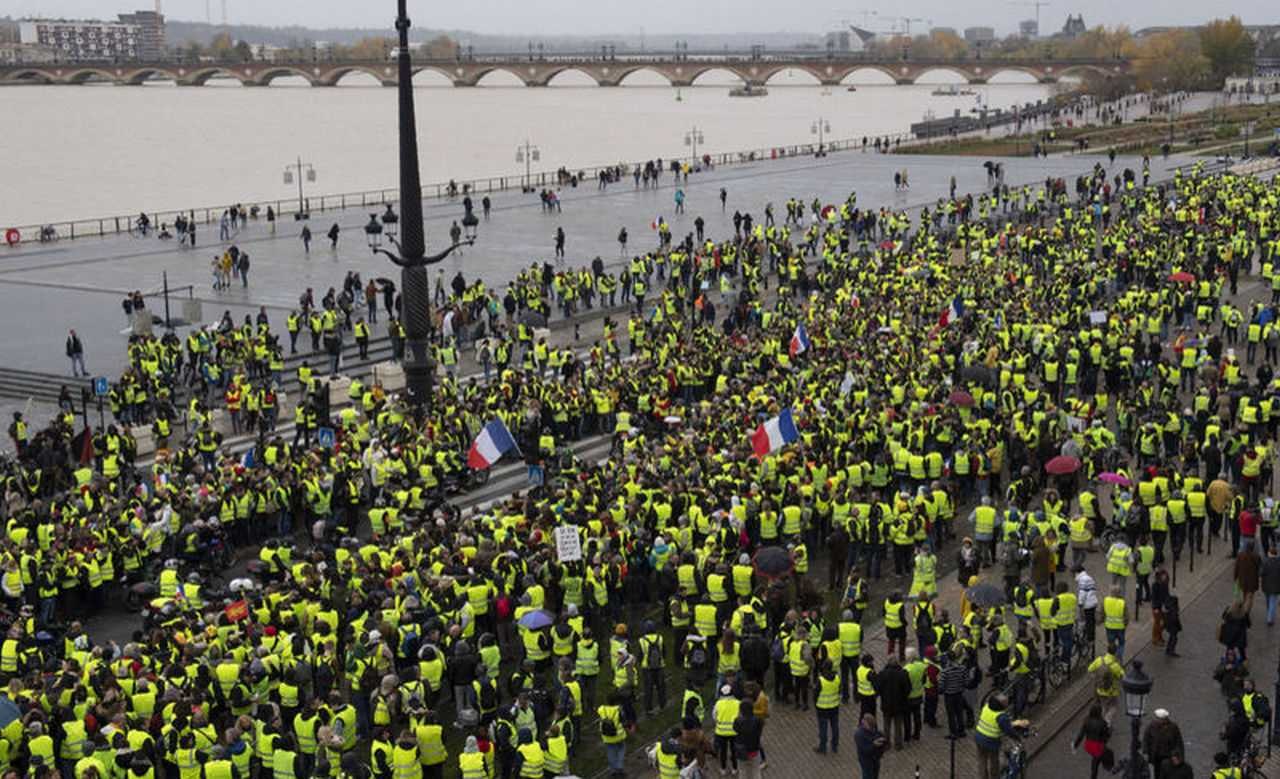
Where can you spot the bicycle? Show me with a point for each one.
(1016, 754)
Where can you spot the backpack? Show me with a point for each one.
(653, 653)
(488, 697)
(698, 657)
(607, 727)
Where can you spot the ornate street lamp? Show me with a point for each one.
(410, 255)
(1137, 686)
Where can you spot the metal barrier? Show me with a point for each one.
(208, 215)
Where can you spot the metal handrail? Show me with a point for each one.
(283, 207)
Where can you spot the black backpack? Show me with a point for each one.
(653, 653)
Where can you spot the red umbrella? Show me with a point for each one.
(1182, 277)
(1062, 465)
(961, 398)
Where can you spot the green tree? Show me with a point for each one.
(243, 52)
(1170, 61)
(1227, 47)
(222, 48)
(441, 47)
(376, 48)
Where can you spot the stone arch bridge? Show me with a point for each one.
(538, 72)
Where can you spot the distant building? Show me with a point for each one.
(839, 40)
(151, 42)
(979, 34)
(855, 39)
(1073, 28)
(26, 54)
(1029, 28)
(943, 31)
(132, 37)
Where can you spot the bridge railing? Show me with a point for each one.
(285, 208)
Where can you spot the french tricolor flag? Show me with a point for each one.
(774, 434)
(799, 341)
(951, 313)
(494, 441)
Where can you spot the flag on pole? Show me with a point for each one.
(799, 341)
(951, 313)
(494, 441)
(774, 434)
(237, 611)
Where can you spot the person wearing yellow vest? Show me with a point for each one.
(1106, 672)
(613, 732)
(895, 623)
(286, 763)
(723, 714)
(405, 761)
(849, 633)
(827, 705)
(994, 723)
(1115, 616)
(865, 686)
(555, 752)
(1120, 565)
(1223, 768)
(530, 761)
(668, 754)
(472, 763)
(799, 656)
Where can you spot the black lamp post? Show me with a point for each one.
(1137, 686)
(411, 256)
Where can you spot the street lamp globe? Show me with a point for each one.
(373, 232)
(1137, 686)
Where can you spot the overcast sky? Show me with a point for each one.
(549, 17)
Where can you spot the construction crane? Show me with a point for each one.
(1037, 4)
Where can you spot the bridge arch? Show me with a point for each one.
(880, 76)
(85, 75)
(333, 77)
(626, 75)
(994, 73)
(717, 74)
(548, 78)
(1084, 70)
(202, 76)
(797, 75)
(938, 74)
(139, 77)
(431, 76)
(271, 74)
(30, 75)
(480, 75)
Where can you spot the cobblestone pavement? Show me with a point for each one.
(790, 735)
(1185, 685)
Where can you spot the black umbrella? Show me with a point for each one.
(773, 562)
(986, 595)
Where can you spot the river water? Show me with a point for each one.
(99, 150)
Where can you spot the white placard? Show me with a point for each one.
(568, 544)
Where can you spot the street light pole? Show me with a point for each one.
(693, 138)
(820, 128)
(296, 169)
(1137, 686)
(411, 253)
(528, 154)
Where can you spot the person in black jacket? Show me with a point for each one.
(894, 687)
(1095, 733)
(748, 729)
(754, 656)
